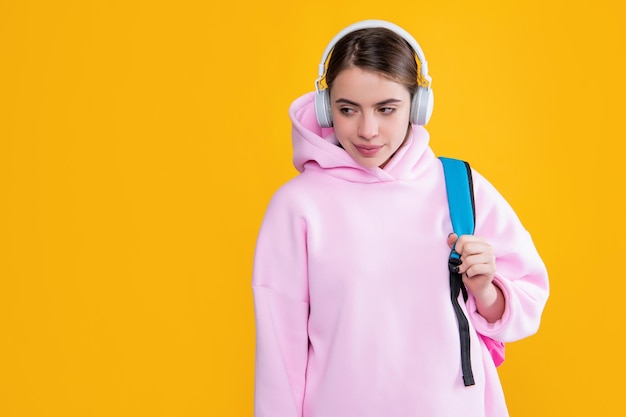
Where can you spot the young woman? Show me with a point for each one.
(351, 280)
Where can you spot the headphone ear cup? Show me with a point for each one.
(422, 106)
(322, 109)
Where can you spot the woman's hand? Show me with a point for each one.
(478, 267)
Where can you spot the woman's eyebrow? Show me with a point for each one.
(380, 103)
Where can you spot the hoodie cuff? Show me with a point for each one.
(482, 326)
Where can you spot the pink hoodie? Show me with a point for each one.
(351, 287)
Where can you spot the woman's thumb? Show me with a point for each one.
(452, 238)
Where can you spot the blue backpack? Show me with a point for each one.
(460, 190)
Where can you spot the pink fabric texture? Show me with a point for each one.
(351, 287)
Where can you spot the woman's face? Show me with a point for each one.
(370, 115)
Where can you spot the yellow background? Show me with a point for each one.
(140, 142)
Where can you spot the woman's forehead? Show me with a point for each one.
(366, 87)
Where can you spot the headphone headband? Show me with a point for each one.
(368, 24)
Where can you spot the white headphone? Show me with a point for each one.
(423, 100)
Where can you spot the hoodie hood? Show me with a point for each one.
(317, 148)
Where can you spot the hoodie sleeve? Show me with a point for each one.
(520, 272)
(280, 287)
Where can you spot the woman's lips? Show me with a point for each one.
(368, 150)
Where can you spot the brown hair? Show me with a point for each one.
(378, 50)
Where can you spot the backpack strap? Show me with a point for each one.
(460, 190)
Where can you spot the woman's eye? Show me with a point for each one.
(387, 110)
(347, 111)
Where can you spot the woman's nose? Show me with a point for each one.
(368, 126)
